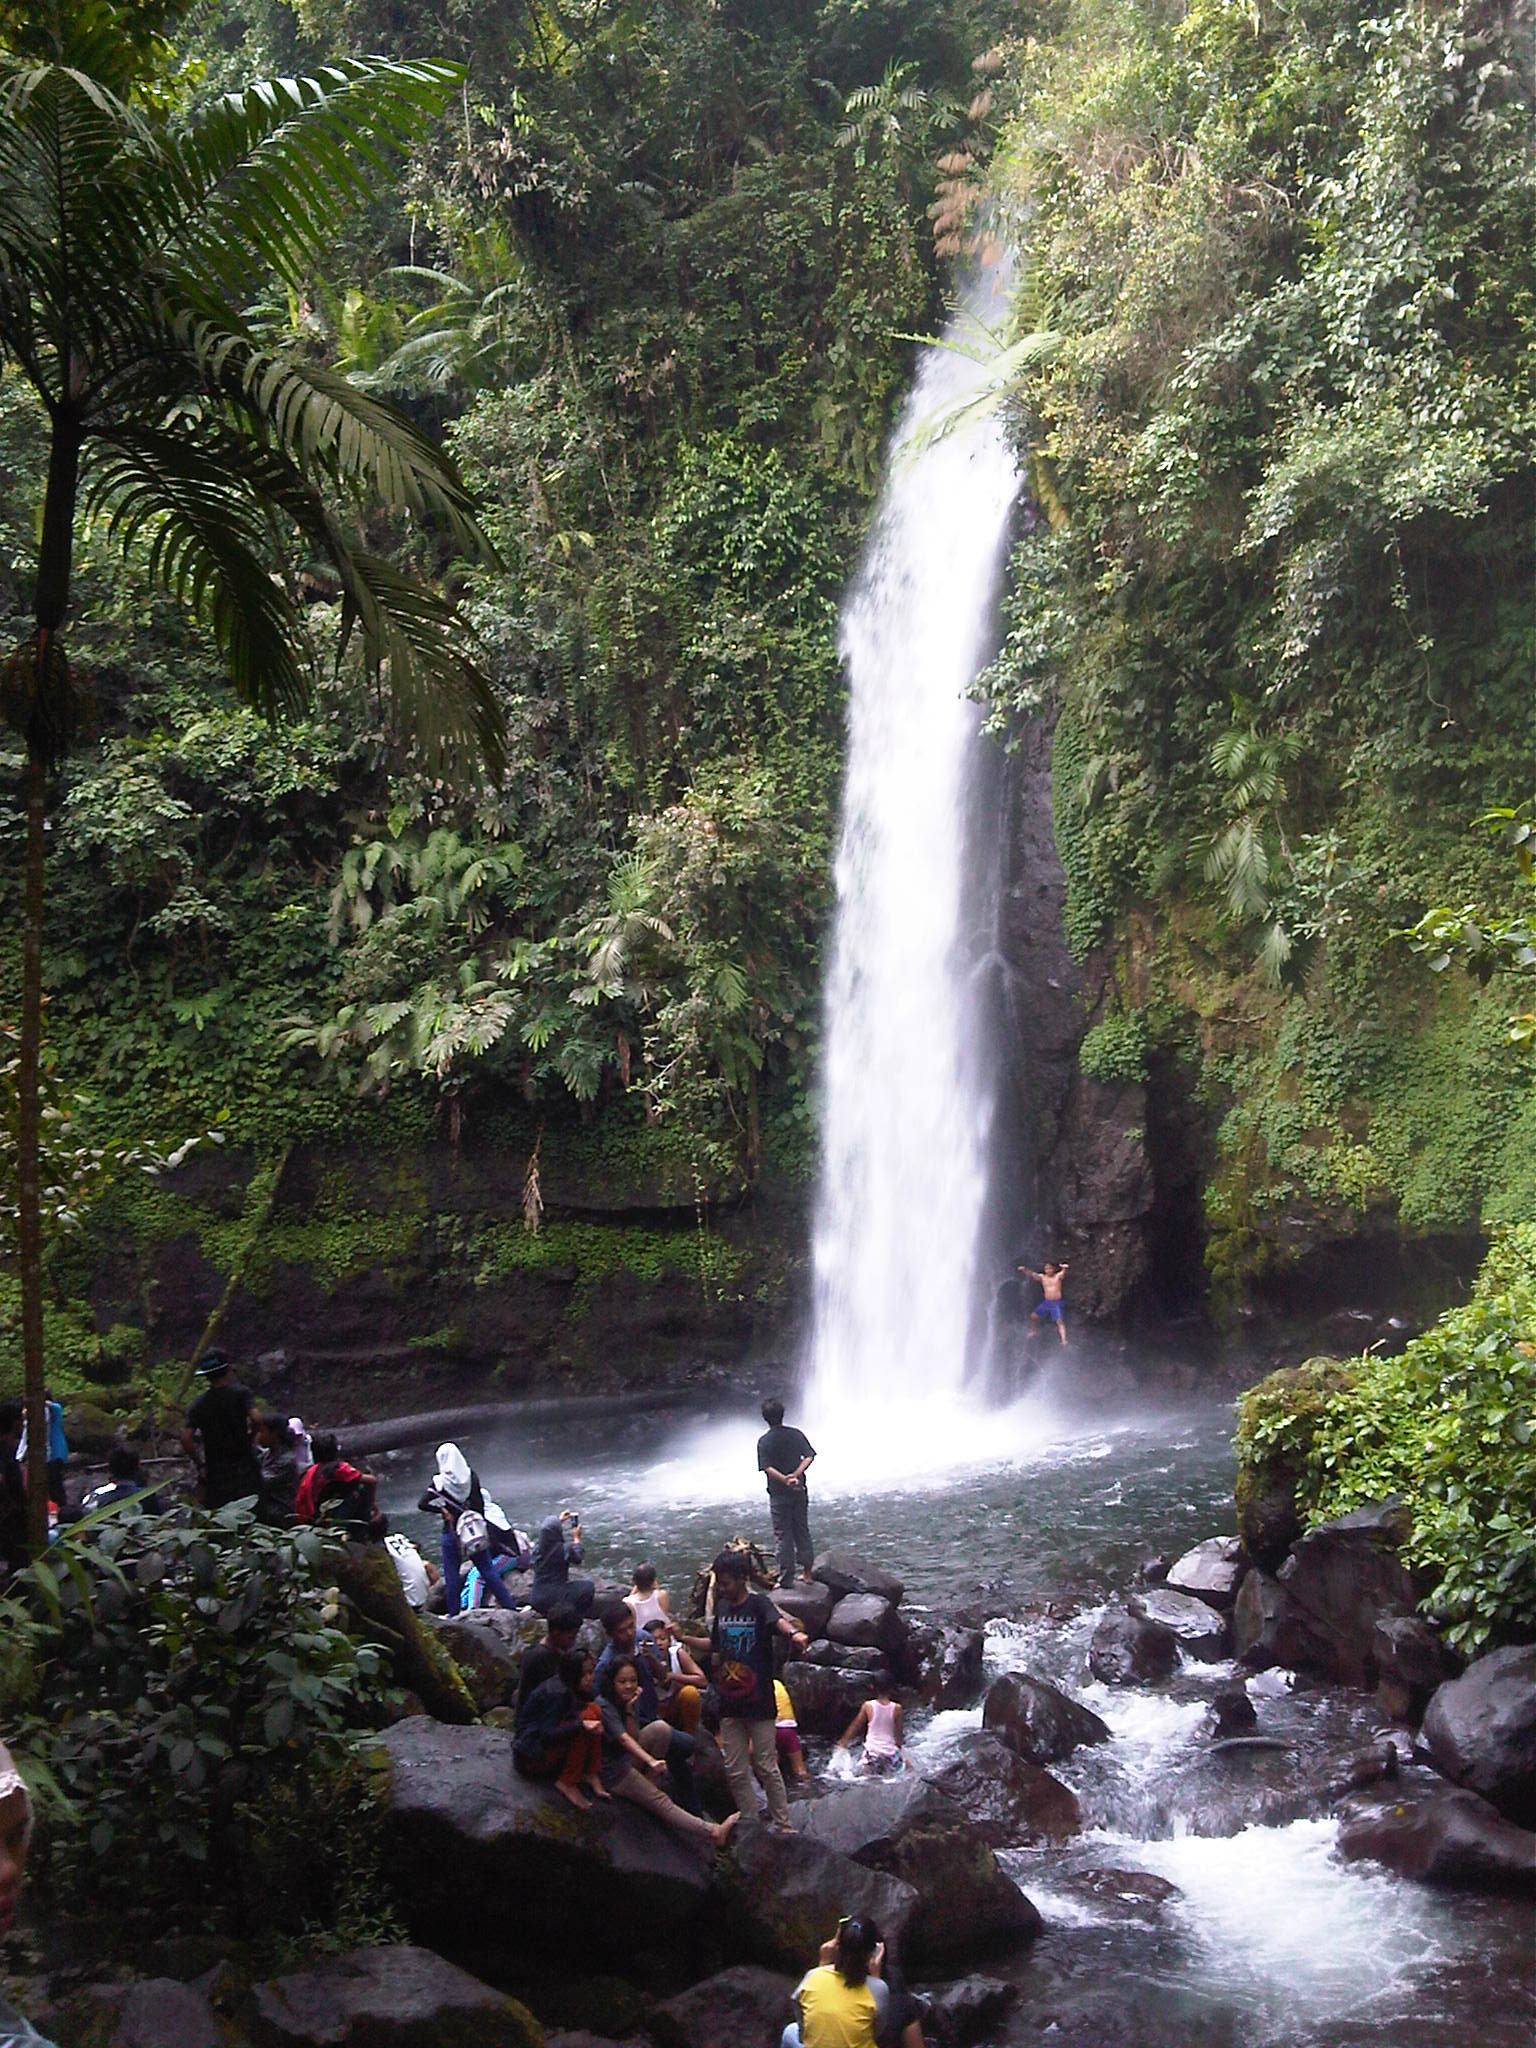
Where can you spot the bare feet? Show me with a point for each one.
(597, 1788)
(806, 1579)
(722, 1830)
(575, 1795)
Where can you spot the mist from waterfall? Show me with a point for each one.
(908, 1091)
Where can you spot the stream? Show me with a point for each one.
(1043, 1512)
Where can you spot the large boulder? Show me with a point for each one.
(464, 1834)
(966, 2010)
(487, 1644)
(388, 1998)
(1037, 1721)
(866, 1621)
(747, 2007)
(1268, 1521)
(845, 1573)
(782, 1896)
(1439, 1834)
(1343, 1577)
(1130, 1649)
(1197, 1627)
(943, 1663)
(162, 2012)
(1262, 1632)
(826, 1696)
(808, 1607)
(1412, 1663)
(1212, 1571)
(1007, 1799)
(966, 1905)
(1480, 1731)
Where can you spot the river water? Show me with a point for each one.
(1046, 1511)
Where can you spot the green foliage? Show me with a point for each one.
(190, 1693)
(1116, 1048)
(1488, 946)
(1449, 1427)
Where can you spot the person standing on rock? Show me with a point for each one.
(784, 1455)
(741, 1637)
(1050, 1309)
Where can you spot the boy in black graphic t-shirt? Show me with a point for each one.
(742, 1639)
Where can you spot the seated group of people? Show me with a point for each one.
(618, 1723)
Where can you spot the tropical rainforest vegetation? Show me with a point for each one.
(650, 279)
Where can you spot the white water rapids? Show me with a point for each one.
(908, 1101)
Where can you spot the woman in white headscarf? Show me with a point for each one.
(15, 1840)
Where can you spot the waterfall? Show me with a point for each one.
(907, 1084)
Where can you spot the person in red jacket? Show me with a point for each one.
(349, 1493)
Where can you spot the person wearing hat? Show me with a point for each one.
(15, 1840)
(221, 1418)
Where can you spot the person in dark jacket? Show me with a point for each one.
(562, 1627)
(555, 1549)
(219, 1426)
(558, 1734)
(13, 1489)
(277, 1455)
(125, 1481)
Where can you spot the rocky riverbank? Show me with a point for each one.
(529, 1922)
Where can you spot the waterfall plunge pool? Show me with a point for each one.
(1045, 1510)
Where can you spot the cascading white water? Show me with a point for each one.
(908, 1103)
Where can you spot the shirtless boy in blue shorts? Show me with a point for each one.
(1049, 1310)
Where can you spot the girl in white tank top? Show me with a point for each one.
(880, 1720)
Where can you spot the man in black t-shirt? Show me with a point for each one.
(784, 1455)
(221, 1418)
(543, 1660)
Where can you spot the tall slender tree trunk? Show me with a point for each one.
(28, 1122)
(47, 738)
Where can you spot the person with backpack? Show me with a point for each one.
(744, 1626)
(339, 1493)
(458, 1499)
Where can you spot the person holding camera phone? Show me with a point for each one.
(555, 1549)
(843, 2000)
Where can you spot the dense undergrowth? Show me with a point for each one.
(1279, 420)
(1448, 1427)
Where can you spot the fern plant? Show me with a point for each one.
(131, 238)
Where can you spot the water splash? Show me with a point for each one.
(908, 1090)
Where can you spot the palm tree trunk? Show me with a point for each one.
(29, 1218)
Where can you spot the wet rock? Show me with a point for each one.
(781, 1896)
(966, 1904)
(944, 1664)
(1342, 1577)
(826, 1697)
(866, 1621)
(1212, 1571)
(160, 2012)
(1261, 1625)
(1154, 1570)
(962, 2012)
(455, 1804)
(1007, 1799)
(1037, 1721)
(1128, 1649)
(808, 1607)
(388, 1998)
(487, 1644)
(1267, 1519)
(1232, 1713)
(1439, 1834)
(1480, 1731)
(739, 2006)
(1200, 1631)
(841, 1658)
(1128, 1893)
(844, 1573)
(1370, 1767)
(1412, 1661)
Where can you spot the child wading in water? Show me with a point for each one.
(1049, 1310)
(880, 1718)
